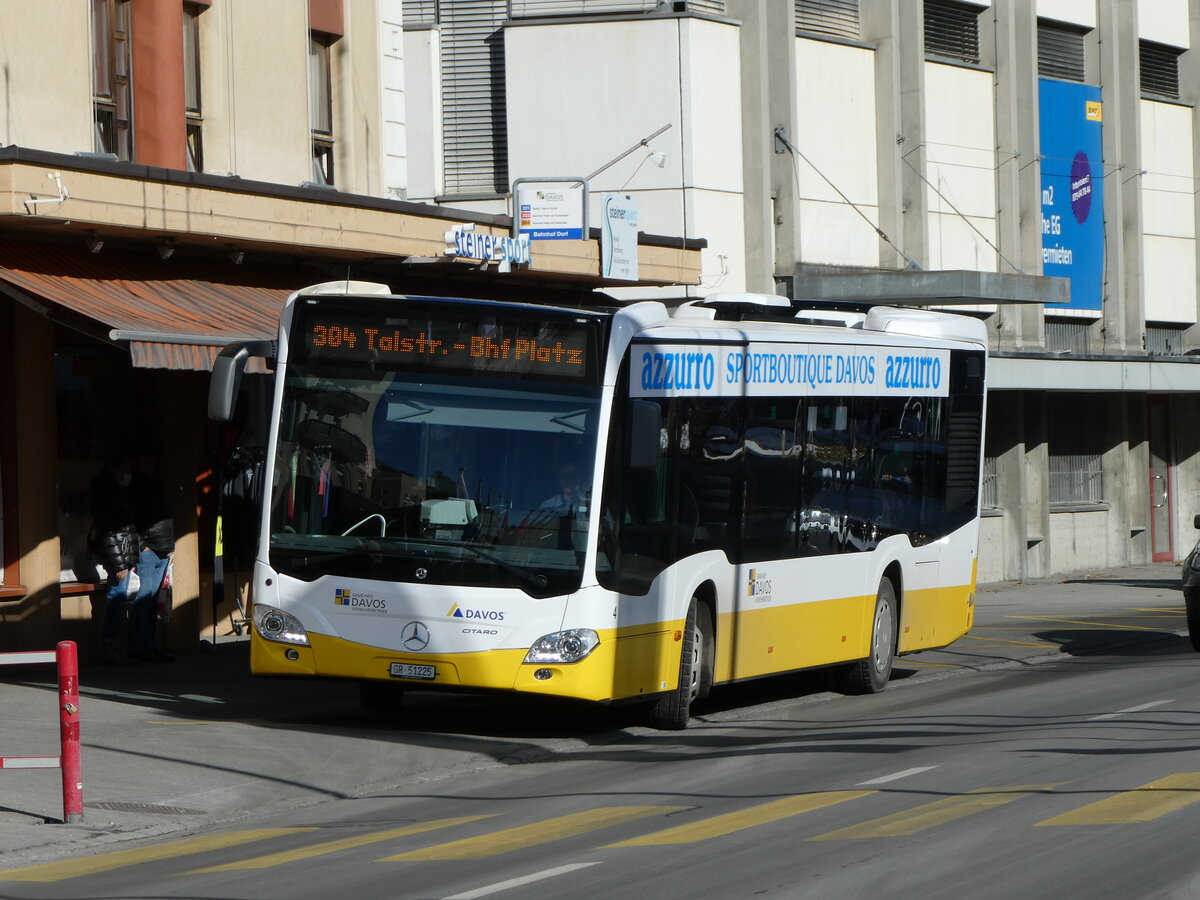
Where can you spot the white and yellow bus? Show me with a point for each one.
(611, 504)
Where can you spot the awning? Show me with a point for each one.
(174, 313)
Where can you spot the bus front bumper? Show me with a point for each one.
(623, 666)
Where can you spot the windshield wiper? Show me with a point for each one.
(537, 579)
(306, 560)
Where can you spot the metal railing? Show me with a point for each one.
(1076, 478)
(66, 657)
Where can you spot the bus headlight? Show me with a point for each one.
(563, 647)
(276, 625)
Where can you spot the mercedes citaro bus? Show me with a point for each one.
(625, 503)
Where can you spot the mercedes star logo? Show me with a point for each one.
(415, 636)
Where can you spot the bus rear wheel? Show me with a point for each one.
(671, 711)
(870, 675)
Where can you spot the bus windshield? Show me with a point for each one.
(399, 473)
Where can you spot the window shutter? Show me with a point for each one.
(534, 8)
(838, 18)
(1060, 52)
(474, 125)
(419, 12)
(1160, 69)
(952, 30)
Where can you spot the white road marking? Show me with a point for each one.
(1132, 709)
(896, 776)
(518, 882)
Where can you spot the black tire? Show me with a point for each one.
(380, 696)
(870, 675)
(1191, 602)
(671, 711)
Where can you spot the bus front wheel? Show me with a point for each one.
(671, 711)
(870, 675)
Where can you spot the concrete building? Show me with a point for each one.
(1029, 162)
(169, 171)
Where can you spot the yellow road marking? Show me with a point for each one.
(360, 840)
(531, 835)
(717, 826)
(1143, 804)
(1106, 626)
(937, 813)
(1000, 642)
(106, 862)
(907, 663)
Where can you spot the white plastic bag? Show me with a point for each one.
(133, 583)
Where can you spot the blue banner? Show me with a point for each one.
(1072, 189)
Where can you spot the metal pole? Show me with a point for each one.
(67, 657)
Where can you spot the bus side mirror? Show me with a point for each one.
(645, 434)
(227, 372)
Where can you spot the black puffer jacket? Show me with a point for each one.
(117, 540)
(151, 517)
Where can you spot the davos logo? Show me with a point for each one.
(347, 599)
(758, 586)
(483, 615)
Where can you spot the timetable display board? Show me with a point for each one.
(472, 339)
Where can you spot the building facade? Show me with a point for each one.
(1029, 162)
(169, 171)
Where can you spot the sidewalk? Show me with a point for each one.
(169, 748)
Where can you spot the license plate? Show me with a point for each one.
(408, 670)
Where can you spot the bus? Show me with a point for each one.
(612, 504)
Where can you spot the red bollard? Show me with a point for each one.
(67, 657)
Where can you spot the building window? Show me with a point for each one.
(1160, 69)
(838, 18)
(952, 30)
(989, 497)
(1166, 340)
(1075, 429)
(1068, 335)
(191, 87)
(547, 8)
(320, 91)
(112, 71)
(1060, 51)
(474, 120)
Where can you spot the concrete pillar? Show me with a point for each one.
(758, 145)
(34, 622)
(1014, 36)
(1125, 511)
(1136, 462)
(1004, 439)
(1035, 497)
(1124, 306)
(898, 35)
(1189, 92)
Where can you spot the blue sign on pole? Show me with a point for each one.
(1072, 189)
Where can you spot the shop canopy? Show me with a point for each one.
(174, 313)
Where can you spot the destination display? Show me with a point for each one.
(788, 370)
(447, 340)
